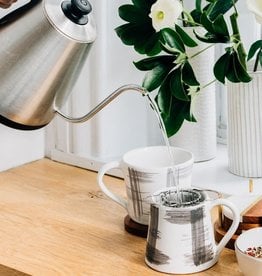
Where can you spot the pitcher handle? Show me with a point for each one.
(233, 227)
(104, 103)
(101, 173)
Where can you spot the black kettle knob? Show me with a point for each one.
(77, 10)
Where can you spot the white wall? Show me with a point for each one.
(127, 122)
(18, 147)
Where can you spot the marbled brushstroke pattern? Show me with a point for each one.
(138, 178)
(154, 255)
(135, 192)
(201, 251)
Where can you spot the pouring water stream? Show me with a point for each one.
(175, 171)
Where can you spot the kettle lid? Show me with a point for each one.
(73, 18)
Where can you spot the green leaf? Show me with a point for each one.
(175, 119)
(173, 39)
(139, 32)
(221, 67)
(177, 86)
(217, 31)
(188, 75)
(169, 50)
(145, 40)
(240, 71)
(190, 117)
(147, 43)
(220, 26)
(187, 40)
(196, 15)
(236, 73)
(144, 5)
(231, 73)
(254, 48)
(152, 62)
(211, 38)
(125, 32)
(152, 45)
(164, 97)
(208, 25)
(198, 5)
(208, 38)
(131, 14)
(173, 111)
(220, 7)
(154, 78)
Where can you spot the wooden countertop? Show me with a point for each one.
(56, 221)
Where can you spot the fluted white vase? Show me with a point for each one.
(245, 127)
(200, 137)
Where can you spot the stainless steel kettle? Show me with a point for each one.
(42, 52)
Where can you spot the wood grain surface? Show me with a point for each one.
(7, 271)
(56, 221)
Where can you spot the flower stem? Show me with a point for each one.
(183, 15)
(188, 23)
(206, 85)
(201, 51)
(237, 39)
(235, 8)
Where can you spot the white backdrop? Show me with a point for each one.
(127, 122)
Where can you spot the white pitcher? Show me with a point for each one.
(181, 236)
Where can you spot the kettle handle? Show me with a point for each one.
(233, 227)
(104, 103)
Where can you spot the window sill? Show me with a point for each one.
(214, 174)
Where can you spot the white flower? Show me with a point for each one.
(164, 13)
(193, 91)
(255, 6)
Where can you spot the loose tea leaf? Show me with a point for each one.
(254, 251)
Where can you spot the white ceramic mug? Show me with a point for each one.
(145, 171)
(180, 238)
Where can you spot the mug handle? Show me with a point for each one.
(233, 227)
(101, 173)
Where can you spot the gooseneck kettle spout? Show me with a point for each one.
(105, 102)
